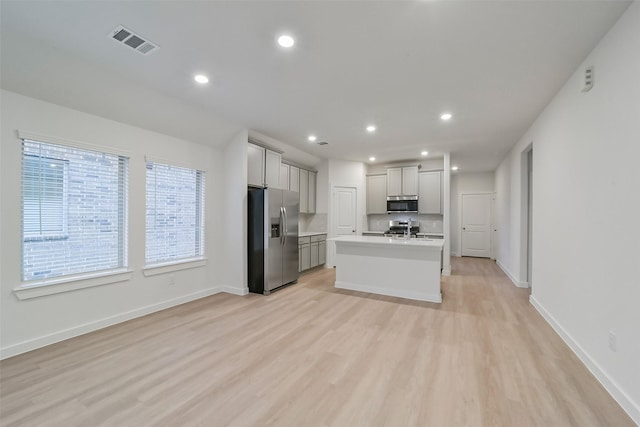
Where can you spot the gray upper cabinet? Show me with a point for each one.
(272, 169)
(255, 165)
(377, 194)
(304, 191)
(402, 181)
(294, 178)
(312, 192)
(263, 167)
(430, 197)
(284, 176)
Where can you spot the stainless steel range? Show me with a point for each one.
(400, 227)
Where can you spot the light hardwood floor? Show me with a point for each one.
(311, 355)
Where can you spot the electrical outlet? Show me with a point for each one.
(172, 279)
(613, 341)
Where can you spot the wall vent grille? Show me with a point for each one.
(588, 79)
(134, 41)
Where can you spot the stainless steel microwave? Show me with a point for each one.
(402, 204)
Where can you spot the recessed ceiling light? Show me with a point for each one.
(372, 159)
(446, 116)
(371, 128)
(425, 153)
(312, 138)
(285, 40)
(201, 78)
(454, 168)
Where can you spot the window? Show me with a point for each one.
(74, 205)
(175, 213)
(44, 198)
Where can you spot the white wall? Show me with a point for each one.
(28, 324)
(465, 183)
(232, 231)
(586, 203)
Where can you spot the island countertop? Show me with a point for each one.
(390, 241)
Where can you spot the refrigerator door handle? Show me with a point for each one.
(281, 225)
(286, 226)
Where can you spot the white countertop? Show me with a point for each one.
(390, 241)
(310, 233)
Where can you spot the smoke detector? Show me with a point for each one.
(127, 37)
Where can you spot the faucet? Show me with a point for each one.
(409, 228)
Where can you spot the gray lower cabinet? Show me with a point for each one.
(322, 253)
(304, 254)
(314, 254)
(312, 251)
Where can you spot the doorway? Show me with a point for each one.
(475, 220)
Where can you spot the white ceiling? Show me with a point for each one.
(397, 64)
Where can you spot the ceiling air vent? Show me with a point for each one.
(322, 143)
(133, 40)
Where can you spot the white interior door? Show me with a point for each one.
(476, 225)
(343, 217)
(344, 204)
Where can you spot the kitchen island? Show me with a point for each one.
(399, 267)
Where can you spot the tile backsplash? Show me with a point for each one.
(313, 222)
(428, 223)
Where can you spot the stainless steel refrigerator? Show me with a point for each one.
(272, 238)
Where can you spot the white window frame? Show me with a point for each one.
(152, 268)
(38, 288)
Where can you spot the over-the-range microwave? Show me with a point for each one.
(402, 204)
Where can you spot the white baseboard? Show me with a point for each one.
(420, 296)
(241, 291)
(455, 254)
(515, 281)
(628, 405)
(55, 337)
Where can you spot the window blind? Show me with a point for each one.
(174, 213)
(74, 205)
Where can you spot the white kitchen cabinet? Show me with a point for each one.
(284, 176)
(304, 191)
(430, 196)
(377, 194)
(294, 178)
(255, 165)
(402, 181)
(272, 169)
(312, 192)
(410, 181)
(394, 182)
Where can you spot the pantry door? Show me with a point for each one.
(476, 225)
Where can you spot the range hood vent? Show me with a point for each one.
(127, 37)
